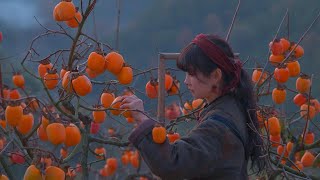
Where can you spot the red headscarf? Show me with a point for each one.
(232, 68)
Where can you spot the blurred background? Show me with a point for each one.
(148, 27)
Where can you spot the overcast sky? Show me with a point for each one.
(19, 13)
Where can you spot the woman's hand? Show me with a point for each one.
(134, 103)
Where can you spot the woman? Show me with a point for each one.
(224, 139)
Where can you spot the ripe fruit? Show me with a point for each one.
(173, 136)
(299, 99)
(73, 23)
(294, 68)
(99, 116)
(307, 159)
(18, 80)
(96, 62)
(51, 79)
(26, 123)
(303, 84)
(73, 135)
(82, 85)
(106, 99)
(257, 73)
(32, 173)
(64, 11)
(273, 125)
(114, 62)
(13, 114)
(152, 89)
(159, 134)
(43, 67)
(276, 47)
(56, 133)
(279, 95)
(125, 76)
(308, 112)
(281, 74)
(101, 151)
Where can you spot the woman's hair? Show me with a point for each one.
(192, 60)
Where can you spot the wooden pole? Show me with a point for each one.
(161, 76)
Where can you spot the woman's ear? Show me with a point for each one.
(216, 75)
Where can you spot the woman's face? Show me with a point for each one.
(201, 86)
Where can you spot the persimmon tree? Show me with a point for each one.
(68, 135)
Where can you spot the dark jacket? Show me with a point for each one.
(209, 151)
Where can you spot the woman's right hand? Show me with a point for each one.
(136, 104)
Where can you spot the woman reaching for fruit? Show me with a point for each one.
(225, 138)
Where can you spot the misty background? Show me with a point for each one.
(148, 27)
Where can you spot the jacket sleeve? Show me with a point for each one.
(195, 155)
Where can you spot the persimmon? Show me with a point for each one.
(112, 163)
(32, 173)
(63, 71)
(3, 123)
(114, 62)
(298, 166)
(152, 89)
(159, 134)
(281, 74)
(257, 74)
(94, 128)
(18, 80)
(106, 99)
(273, 125)
(43, 67)
(42, 134)
(197, 103)
(73, 135)
(282, 150)
(298, 51)
(14, 94)
(64, 11)
(99, 116)
(100, 151)
(307, 159)
(303, 84)
(6, 92)
(51, 79)
(96, 62)
(173, 136)
(308, 112)
(309, 139)
(26, 123)
(174, 88)
(82, 85)
(285, 44)
(74, 22)
(299, 99)
(54, 173)
(13, 114)
(289, 146)
(294, 68)
(17, 157)
(116, 105)
(134, 159)
(276, 47)
(125, 76)
(275, 140)
(276, 59)
(279, 95)
(56, 133)
(2, 176)
(44, 121)
(33, 104)
(168, 81)
(91, 74)
(125, 159)
(316, 104)
(130, 119)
